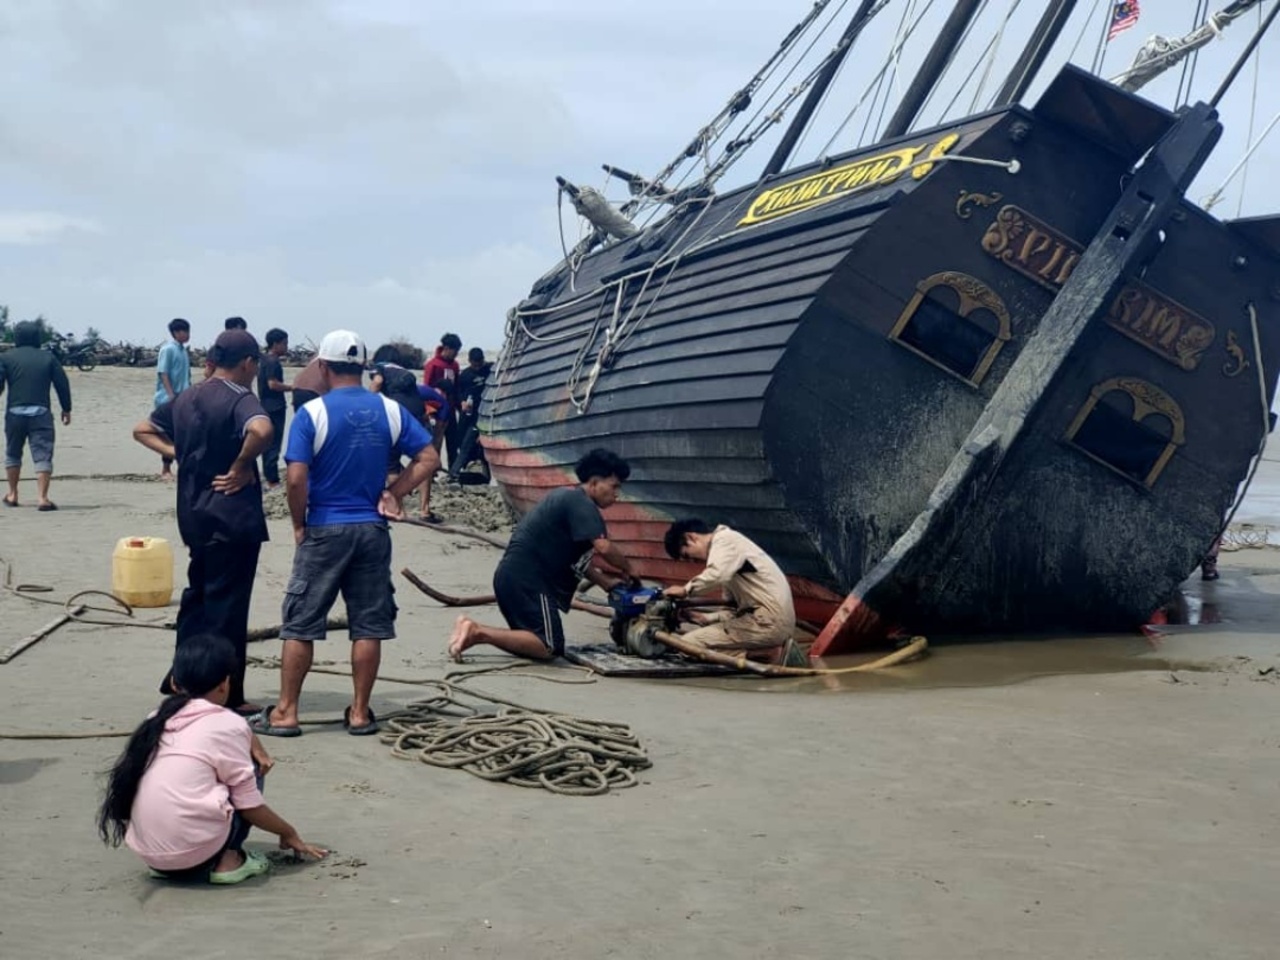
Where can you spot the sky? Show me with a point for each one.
(389, 166)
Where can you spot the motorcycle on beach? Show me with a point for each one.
(83, 355)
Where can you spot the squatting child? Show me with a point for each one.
(188, 786)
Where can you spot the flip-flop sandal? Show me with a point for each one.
(432, 518)
(10, 503)
(46, 507)
(365, 729)
(253, 866)
(261, 723)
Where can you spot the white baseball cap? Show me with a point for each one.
(343, 346)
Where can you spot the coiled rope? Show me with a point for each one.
(558, 752)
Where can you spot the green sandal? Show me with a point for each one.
(254, 865)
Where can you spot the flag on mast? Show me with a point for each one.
(1124, 14)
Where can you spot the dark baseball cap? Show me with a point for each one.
(233, 346)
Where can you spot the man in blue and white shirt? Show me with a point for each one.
(339, 501)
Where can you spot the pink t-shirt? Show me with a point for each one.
(201, 773)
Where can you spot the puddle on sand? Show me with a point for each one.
(1000, 661)
(1188, 609)
(973, 664)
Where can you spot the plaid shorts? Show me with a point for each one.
(353, 559)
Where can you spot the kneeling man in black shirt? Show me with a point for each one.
(550, 550)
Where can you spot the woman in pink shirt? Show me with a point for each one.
(186, 790)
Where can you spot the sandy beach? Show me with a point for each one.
(1093, 797)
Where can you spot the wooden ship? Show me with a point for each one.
(994, 375)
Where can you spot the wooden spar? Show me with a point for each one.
(820, 86)
(444, 598)
(935, 64)
(456, 531)
(32, 639)
(1033, 55)
(480, 600)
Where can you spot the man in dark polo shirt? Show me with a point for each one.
(271, 391)
(549, 552)
(216, 432)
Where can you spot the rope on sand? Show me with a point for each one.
(565, 754)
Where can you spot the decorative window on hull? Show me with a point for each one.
(1131, 426)
(956, 322)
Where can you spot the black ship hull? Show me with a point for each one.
(807, 359)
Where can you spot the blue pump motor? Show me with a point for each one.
(628, 604)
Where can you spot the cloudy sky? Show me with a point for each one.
(388, 165)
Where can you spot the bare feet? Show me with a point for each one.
(463, 636)
(166, 475)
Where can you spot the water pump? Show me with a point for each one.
(637, 615)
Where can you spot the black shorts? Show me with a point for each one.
(531, 606)
(351, 558)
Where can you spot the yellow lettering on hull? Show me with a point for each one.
(829, 185)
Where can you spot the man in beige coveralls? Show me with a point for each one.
(762, 617)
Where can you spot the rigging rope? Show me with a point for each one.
(994, 47)
(1187, 79)
(1266, 422)
(890, 72)
(876, 83)
(1084, 28)
(709, 134)
(964, 38)
(1100, 52)
(1214, 198)
(1253, 112)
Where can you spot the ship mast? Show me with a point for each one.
(931, 70)
(866, 10)
(1035, 53)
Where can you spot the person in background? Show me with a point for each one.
(271, 391)
(1209, 565)
(231, 323)
(549, 552)
(217, 432)
(470, 389)
(392, 379)
(29, 373)
(339, 503)
(432, 399)
(441, 372)
(188, 786)
(173, 375)
(762, 618)
(308, 384)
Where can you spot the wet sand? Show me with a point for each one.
(1093, 797)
